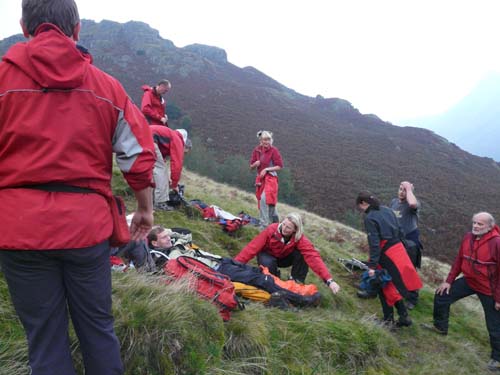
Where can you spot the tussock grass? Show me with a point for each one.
(166, 329)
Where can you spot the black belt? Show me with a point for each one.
(56, 187)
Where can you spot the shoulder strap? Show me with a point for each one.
(206, 256)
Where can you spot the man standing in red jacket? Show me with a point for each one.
(61, 120)
(171, 144)
(153, 104)
(479, 261)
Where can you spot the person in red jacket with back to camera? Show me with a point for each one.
(283, 245)
(479, 261)
(61, 120)
(153, 103)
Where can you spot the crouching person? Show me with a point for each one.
(284, 245)
(479, 261)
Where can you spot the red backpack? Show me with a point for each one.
(209, 284)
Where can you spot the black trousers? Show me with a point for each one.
(460, 289)
(294, 259)
(247, 274)
(44, 286)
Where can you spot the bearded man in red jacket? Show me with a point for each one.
(479, 261)
(61, 120)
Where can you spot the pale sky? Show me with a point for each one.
(397, 59)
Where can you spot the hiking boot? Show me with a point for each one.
(365, 295)
(433, 328)
(410, 305)
(404, 321)
(312, 301)
(279, 300)
(163, 206)
(494, 365)
(388, 323)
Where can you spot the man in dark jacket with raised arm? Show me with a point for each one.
(61, 120)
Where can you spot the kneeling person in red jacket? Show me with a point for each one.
(284, 245)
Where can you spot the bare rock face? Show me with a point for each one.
(214, 54)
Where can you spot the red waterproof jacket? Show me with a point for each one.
(153, 105)
(479, 261)
(268, 157)
(271, 241)
(170, 143)
(61, 119)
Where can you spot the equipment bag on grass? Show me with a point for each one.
(209, 284)
(251, 292)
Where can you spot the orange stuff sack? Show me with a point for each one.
(291, 285)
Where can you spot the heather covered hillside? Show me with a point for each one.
(330, 149)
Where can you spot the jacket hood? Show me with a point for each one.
(51, 58)
(494, 232)
(146, 88)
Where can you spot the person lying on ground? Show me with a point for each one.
(160, 241)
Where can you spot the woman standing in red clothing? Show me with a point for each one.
(267, 159)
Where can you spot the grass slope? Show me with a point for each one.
(165, 329)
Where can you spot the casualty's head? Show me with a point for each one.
(292, 224)
(160, 238)
(163, 86)
(482, 223)
(62, 13)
